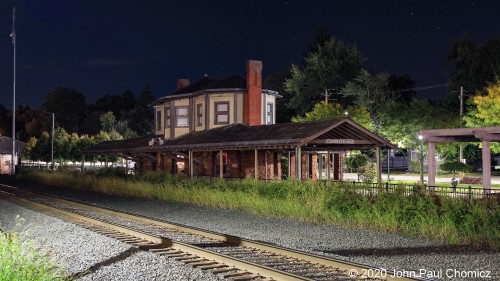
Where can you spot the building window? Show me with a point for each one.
(199, 114)
(269, 113)
(167, 117)
(158, 120)
(221, 113)
(182, 116)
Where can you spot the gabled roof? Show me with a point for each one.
(6, 145)
(206, 84)
(342, 133)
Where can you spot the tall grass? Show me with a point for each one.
(445, 219)
(23, 260)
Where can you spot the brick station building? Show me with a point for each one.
(226, 128)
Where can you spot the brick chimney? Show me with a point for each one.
(181, 83)
(253, 99)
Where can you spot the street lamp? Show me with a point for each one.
(13, 36)
(421, 138)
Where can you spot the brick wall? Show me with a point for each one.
(253, 99)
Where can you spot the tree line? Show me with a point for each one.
(331, 81)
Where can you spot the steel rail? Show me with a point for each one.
(341, 265)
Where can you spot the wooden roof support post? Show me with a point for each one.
(265, 164)
(221, 164)
(431, 165)
(379, 167)
(289, 165)
(327, 161)
(105, 160)
(298, 161)
(191, 162)
(256, 164)
(486, 153)
(320, 166)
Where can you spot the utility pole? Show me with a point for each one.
(52, 143)
(461, 114)
(327, 95)
(13, 36)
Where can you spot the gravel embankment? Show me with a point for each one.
(79, 250)
(429, 258)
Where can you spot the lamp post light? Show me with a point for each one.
(13, 36)
(421, 138)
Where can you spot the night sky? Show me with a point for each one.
(101, 47)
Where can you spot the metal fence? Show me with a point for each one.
(467, 193)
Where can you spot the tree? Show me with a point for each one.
(472, 65)
(402, 123)
(403, 88)
(121, 105)
(326, 111)
(62, 147)
(41, 150)
(485, 110)
(276, 82)
(370, 91)
(27, 152)
(68, 105)
(5, 122)
(143, 117)
(325, 71)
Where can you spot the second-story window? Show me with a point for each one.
(182, 116)
(269, 113)
(199, 114)
(167, 117)
(158, 120)
(221, 113)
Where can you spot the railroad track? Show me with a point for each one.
(235, 258)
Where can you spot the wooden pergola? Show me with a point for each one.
(485, 135)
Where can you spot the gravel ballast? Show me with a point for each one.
(392, 251)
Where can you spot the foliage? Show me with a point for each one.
(23, 260)
(329, 66)
(485, 111)
(368, 172)
(441, 218)
(68, 105)
(369, 91)
(487, 108)
(402, 123)
(141, 120)
(356, 161)
(473, 65)
(455, 166)
(275, 81)
(326, 111)
(402, 88)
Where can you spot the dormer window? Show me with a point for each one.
(221, 113)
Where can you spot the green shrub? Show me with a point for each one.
(23, 260)
(415, 213)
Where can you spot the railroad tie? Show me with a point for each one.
(246, 277)
(236, 274)
(197, 264)
(213, 266)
